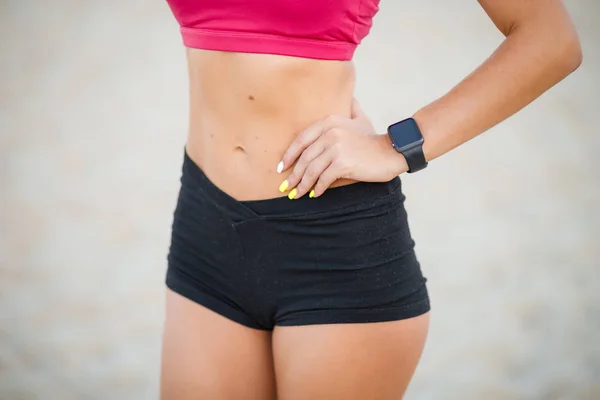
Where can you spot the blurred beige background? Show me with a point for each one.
(93, 114)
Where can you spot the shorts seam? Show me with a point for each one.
(349, 209)
(203, 298)
(334, 316)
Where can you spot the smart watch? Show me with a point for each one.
(407, 140)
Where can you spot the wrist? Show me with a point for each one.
(397, 162)
(407, 139)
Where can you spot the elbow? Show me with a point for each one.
(570, 54)
(573, 54)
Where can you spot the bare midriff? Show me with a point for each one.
(246, 109)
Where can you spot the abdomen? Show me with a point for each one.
(245, 110)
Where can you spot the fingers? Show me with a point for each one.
(320, 173)
(302, 141)
(326, 178)
(311, 153)
(314, 131)
(305, 139)
(313, 173)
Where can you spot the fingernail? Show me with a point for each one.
(280, 167)
(292, 194)
(312, 194)
(284, 185)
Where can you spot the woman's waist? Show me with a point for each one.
(243, 166)
(338, 201)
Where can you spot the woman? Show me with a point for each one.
(292, 273)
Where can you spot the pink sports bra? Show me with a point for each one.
(322, 29)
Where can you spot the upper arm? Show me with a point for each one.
(509, 15)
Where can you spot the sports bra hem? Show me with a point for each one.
(248, 42)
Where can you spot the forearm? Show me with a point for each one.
(533, 57)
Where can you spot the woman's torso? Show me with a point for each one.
(246, 109)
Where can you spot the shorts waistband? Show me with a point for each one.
(333, 198)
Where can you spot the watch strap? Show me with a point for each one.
(415, 158)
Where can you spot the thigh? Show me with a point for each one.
(348, 361)
(207, 356)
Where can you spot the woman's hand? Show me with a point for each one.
(335, 148)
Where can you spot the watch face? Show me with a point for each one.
(405, 134)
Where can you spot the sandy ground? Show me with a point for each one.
(93, 113)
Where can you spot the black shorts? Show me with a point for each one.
(344, 257)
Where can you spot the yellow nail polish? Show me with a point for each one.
(292, 194)
(312, 194)
(284, 185)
